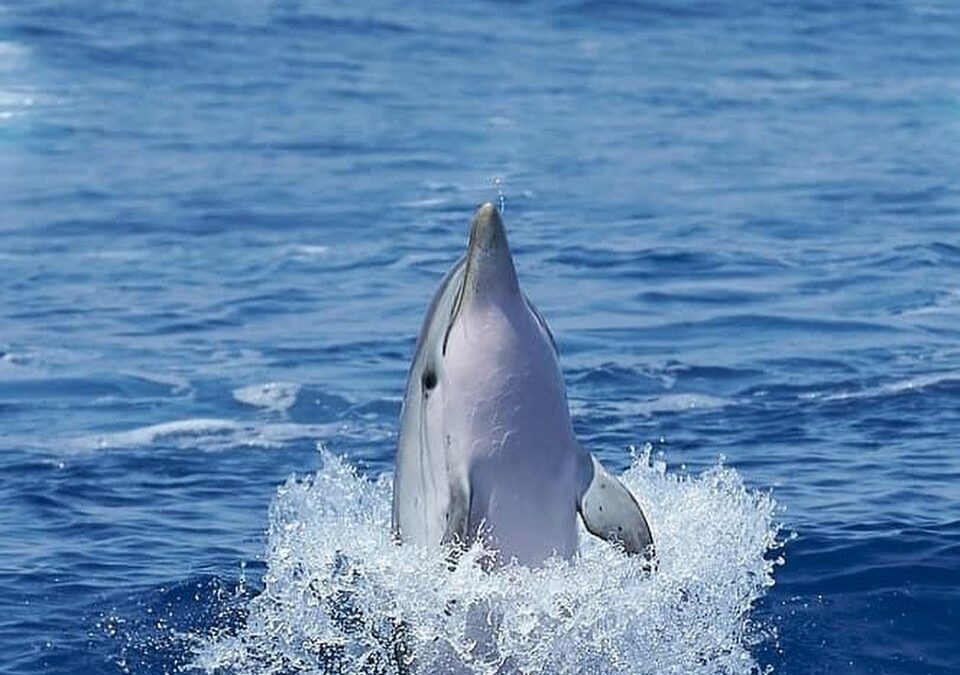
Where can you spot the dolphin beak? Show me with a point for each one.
(486, 231)
(489, 263)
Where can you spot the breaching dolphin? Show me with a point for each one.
(487, 448)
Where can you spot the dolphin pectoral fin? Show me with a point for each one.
(609, 511)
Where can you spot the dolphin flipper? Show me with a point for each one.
(609, 511)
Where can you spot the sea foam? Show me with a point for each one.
(341, 596)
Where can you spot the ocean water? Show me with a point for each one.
(220, 225)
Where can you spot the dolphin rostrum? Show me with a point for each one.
(487, 448)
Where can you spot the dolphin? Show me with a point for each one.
(487, 449)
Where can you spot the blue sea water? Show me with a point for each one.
(221, 222)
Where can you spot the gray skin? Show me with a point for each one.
(487, 448)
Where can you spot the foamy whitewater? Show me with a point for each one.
(340, 596)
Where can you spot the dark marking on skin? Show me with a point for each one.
(431, 310)
(457, 302)
(543, 324)
(457, 523)
(429, 380)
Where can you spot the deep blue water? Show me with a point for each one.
(740, 219)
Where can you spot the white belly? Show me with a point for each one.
(526, 513)
(522, 467)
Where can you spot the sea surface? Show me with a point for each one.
(221, 223)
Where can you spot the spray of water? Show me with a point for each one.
(341, 597)
(501, 200)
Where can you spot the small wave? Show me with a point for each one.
(945, 302)
(676, 403)
(32, 361)
(151, 434)
(425, 203)
(9, 362)
(177, 385)
(274, 396)
(340, 596)
(10, 52)
(20, 97)
(207, 434)
(903, 386)
(666, 403)
(308, 250)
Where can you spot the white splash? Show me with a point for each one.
(341, 597)
(275, 396)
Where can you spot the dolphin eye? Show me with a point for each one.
(429, 380)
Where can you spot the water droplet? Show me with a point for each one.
(501, 200)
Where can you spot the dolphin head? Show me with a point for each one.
(497, 349)
(491, 322)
